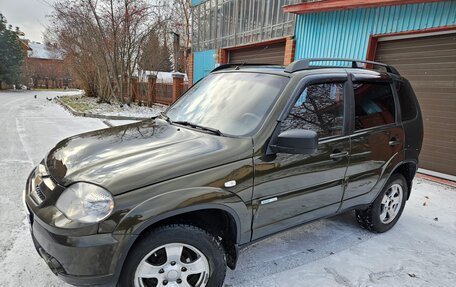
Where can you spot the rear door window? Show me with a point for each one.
(407, 102)
(374, 105)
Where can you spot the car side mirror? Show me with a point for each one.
(296, 141)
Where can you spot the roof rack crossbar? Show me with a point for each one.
(231, 65)
(304, 64)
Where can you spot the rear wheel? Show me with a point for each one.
(175, 256)
(385, 211)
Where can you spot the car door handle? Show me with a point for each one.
(338, 155)
(394, 142)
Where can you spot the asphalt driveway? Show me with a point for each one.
(419, 251)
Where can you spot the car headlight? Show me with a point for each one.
(85, 202)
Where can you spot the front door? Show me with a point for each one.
(291, 189)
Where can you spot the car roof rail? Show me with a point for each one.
(304, 64)
(239, 65)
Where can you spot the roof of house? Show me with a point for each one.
(313, 6)
(43, 51)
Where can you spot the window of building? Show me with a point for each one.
(319, 108)
(223, 23)
(374, 105)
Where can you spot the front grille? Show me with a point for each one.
(39, 193)
(53, 180)
(41, 184)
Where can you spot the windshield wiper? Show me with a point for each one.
(212, 130)
(165, 117)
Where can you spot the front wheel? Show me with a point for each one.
(175, 256)
(385, 211)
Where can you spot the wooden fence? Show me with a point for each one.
(150, 92)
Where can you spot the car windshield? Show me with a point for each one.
(232, 103)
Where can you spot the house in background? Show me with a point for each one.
(418, 37)
(236, 31)
(45, 67)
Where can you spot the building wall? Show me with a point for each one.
(345, 34)
(196, 2)
(230, 23)
(204, 62)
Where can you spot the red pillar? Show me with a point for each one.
(178, 85)
(190, 69)
(289, 51)
(151, 89)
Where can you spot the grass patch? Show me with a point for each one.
(75, 103)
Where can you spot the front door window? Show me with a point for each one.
(320, 108)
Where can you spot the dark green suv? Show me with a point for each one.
(247, 152)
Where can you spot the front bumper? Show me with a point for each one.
(79, 260)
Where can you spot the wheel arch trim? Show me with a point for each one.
(188, 209)
(393, 170)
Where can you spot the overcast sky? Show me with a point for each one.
(29, 15)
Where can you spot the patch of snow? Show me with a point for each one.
(124, 110)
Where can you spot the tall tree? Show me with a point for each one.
(155, 55)
(107, 35)
(11, 53)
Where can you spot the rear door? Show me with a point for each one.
(377, 139)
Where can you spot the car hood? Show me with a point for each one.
(128, 157)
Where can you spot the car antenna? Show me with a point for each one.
(239, 66)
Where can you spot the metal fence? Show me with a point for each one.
(225, 23)
(163, 93)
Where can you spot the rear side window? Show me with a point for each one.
(319, 108)
(374, 105)
(406, 100)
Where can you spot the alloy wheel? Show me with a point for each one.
(173, 265)
(391, 203)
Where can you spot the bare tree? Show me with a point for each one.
(108, 41)
(105, 39)
(184, 26)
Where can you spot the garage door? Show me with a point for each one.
(430, 65)
(266, 54)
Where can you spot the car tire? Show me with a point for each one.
(200, 250)
(386, 209)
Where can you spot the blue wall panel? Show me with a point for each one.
(345, 34)
(196, 2)
(203, 63)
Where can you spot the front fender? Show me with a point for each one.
(137, 210)
(186, 200)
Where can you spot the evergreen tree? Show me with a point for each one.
(155, 55)
(11, 54)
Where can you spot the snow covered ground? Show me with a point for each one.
(419, 251)
(90, 105)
